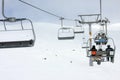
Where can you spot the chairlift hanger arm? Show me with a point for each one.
(100, 9)
(3, 8)
(9, 19)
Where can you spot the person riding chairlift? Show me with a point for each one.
(93, 50)
(108, 49)
(103, 38)
(97, 38)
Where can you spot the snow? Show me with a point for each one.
(53, 59)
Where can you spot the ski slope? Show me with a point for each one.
(53, 59)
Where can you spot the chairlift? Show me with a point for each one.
(65, 33)
(102, 55)
(18, 37)
(78, 28)
(22, 37)
(84, 45)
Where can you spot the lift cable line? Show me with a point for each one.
(3, 8)
(60, 17)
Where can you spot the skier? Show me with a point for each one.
(93, 50)
(103, 38)
(97, 39)
(108, 49)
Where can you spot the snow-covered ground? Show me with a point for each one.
(53, 59)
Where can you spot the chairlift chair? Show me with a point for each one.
(85, 44)
(66, 33)
(22, 37)
(101, 55)
(12, 38)
(78, 28)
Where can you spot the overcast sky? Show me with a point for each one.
(66, 8)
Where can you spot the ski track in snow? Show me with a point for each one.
(51, 59)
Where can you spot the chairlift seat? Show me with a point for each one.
(78, 30)
(101, 53)
(85, 47)
(65, 33)
(18, 38)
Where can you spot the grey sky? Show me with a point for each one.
(66, 8)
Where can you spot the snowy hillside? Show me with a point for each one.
(53, 59)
